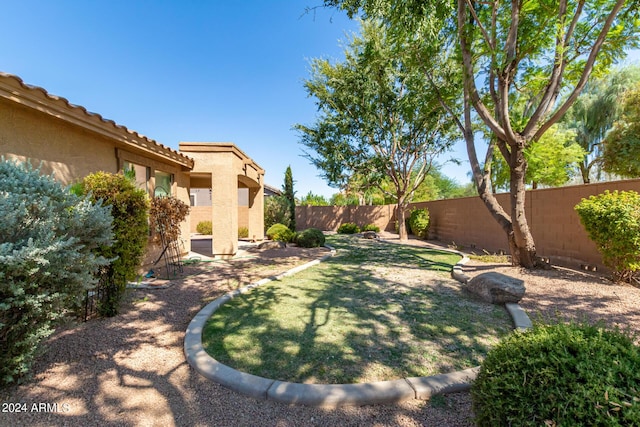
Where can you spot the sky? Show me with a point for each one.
(190, 70)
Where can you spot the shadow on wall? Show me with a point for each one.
(329, 218)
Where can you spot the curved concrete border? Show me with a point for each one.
(325, 395)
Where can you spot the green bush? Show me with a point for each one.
(560, 375)
(348, 228)
(47, 260)
(419, 223)
(371, 227)
(612, 221)
(310, 238)
(281, 233)
(204, 227)
(130, 211)
(276, 211)
(243, 232)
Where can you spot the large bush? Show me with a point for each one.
(612, 221)
(281, 233)
(47, 260)
(276, 211)
(560, 375)
(419, 223)
(310, 238)
(130, 211)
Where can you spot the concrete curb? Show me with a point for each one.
(324, 395)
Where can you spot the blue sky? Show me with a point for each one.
(191, 70)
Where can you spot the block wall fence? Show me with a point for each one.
(555, 225)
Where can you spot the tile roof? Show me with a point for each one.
(15, 89)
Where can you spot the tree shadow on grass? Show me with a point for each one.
(355, 327)
(130, 370)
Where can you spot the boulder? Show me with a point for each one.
(496, 288)
(272, 244)
(370, 235)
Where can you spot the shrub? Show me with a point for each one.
(562, 374)
(419, 223)
(204, 227)
(612, 221)
(281, 233)
(47, 260)
(276, 211)
(243, 232)
(310, 238)
(348, 228)
(130, 211)
(167, 214)
(371, 227)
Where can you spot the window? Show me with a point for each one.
(140, 174)
(163, 184)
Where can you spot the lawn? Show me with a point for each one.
(375, 311)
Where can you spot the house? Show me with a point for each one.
(71, 142)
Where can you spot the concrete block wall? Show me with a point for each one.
(555, 225)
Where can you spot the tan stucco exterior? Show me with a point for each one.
(70, 142)
(224, 168)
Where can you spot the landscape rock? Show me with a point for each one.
(496, 288)
(272, 244)
(370, 235)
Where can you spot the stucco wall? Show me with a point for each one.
(466, 221)
(203, 213)
(71, 153)
(68, 150)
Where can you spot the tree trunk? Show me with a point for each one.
(584, 171)
(523, 252)
(402, 225)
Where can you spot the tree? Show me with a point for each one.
(312, 199)
(276, 211)
(289, 194)
(377, 118)
(518, 52)
(622, 144)
(593, 115)
(551, 161)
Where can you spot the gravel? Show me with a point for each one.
(130, 370)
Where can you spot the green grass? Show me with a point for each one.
(376, 311)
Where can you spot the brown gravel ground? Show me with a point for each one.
(130, 370)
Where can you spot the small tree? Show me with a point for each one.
(290, 195)
(48, 238)
(130, 208)
(378, 118)
(276, 211)
(314, 200)
(612, 221)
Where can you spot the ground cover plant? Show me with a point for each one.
(375, 311)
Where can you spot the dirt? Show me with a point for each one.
(130, 370)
